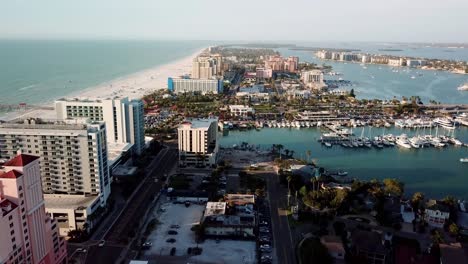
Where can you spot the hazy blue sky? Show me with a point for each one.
(309, 20)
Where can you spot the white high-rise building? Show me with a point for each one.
(198, 142)
(124, 118)
(313, 78)
(74, 164)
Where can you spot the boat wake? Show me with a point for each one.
(27, 87)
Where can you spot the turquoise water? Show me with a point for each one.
(37, 71)
(378, 81)
(436, 172)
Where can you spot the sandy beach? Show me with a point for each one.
(133, 86)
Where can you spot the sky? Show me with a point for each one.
(240, 20)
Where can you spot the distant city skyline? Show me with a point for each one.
(273, 20)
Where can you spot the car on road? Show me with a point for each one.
(101, 243)
(172, 232)
(171, 240)
(146, 245)
(81, 250)
(187, 204)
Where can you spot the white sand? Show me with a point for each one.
(133, 86)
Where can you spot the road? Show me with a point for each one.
(285, 249)
(135, 207)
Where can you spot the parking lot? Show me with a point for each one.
(174, 231)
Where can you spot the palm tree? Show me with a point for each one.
(279, 147)
(308, 154)
(286, 152)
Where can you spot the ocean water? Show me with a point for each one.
(379, 81)
(436, 172)
(38, 71)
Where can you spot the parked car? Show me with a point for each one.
(81, 250)
(172, 232)
(187, 204)
(101, 243)
(175, 226)
(171, 240)
(265, 250)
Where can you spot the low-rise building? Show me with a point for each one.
(220, 220)
(241, 110)
(335, 247)
(436, 213)
(295, 94)
(370, 246)
(395, 62)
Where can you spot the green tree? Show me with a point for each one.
(416, 200)
(393, 187)
(312, 251)
(351, 93)
(453, 229)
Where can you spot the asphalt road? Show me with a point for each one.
(279, 220)
(135, 207)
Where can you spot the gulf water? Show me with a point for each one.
(39, 71)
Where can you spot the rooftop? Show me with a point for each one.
(215, 208)
(6, 206)
(57, 201)
(199, 122)
(21, 160)
(13, 174)
(240, 199)
(437, 206)
(37, 123)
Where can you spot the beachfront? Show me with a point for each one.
(133, 86)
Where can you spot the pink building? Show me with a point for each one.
(278, 63)
(264, 73)
(28, 234)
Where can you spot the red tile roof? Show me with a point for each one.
(21, 160)
(13, 174)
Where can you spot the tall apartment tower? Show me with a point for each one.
(74, 165)
(197, 138)
(206, 67)
(29, 235)
(124, 118)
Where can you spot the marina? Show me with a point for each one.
(436, 171)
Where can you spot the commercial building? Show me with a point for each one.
(124, 118)
(436, 213)
(29, 235)
(236, 220)
(415, 63)
(73, 158)
(313, 78)
(264, 73)
(241, 110)
(203, 86)
(198, 142)
(395, 62)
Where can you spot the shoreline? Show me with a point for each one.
(134, 86)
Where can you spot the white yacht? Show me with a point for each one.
(464, 160)
(444, 122)
(415, 142)
(463, 87)
(403, 142)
